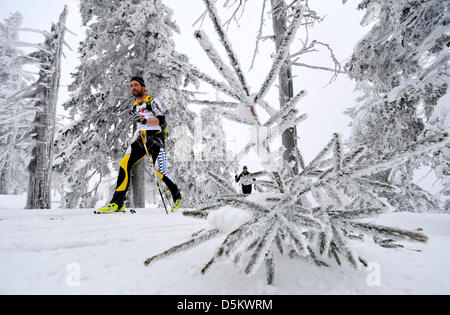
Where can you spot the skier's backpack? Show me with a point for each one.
(164, 126)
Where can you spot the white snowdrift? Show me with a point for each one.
(228, 219)
(76, 252)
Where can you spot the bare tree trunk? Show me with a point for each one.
(40, 167)
(4, 177)
(3, 182)
(286, 89)
(138, 182)
(138, 172)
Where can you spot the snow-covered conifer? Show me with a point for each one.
(45, 94)
(401, 66)
(16, 112)
(313, 214)
(342, 196)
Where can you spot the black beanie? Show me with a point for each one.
(138, 79)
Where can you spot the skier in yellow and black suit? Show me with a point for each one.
(149, 115)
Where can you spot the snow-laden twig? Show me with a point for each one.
(213, 103)
(284, 112)
(227, 45)
(223, 69)
(216, 84)
(282, 53)
(222, 182)
(258, 36)
(203, 237)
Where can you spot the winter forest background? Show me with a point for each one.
(351, 102)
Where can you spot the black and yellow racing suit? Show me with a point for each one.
(154, 139)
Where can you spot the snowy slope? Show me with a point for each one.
(41, 252)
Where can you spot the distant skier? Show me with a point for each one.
(246, 179)
(147, 111)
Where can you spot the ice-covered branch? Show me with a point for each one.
(389, 160)
(299, 64)
(32, 30)
(263, 246)
(259, 35)
(227, 45)
(214, 103)
(266, 106)
(223, 69)
(17, 43)
(233, 116)
(283, 113)
(203, 237)
(222, 182)
(396, 233)
(241, 6)
(243, 204)
(222, 87)
(282, 53)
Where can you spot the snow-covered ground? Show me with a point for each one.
(76, 252)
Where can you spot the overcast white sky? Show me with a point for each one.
(324, 103)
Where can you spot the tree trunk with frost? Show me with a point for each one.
(4, 179)
(138, 171)
(138, 184)
(286, 89)
(40, 167)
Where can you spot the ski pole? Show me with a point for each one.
(153, 166)
(164, 190)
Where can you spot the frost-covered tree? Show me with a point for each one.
(15, 112)
(123, 38)
(243, 110)
(439, 121)
(210, 155)
(213, 138)
(336, 192)
(45, 94)
(311, 215)
(38, 99)
(286, 20)
(199, 153)
(402, 68)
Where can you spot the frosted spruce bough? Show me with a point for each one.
(312, 215)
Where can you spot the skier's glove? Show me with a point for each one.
(137, 117)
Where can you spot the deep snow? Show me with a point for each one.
(44, 252)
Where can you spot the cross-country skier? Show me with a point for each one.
(246, 179)
(149, 114)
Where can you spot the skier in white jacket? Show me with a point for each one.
(246, 181)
